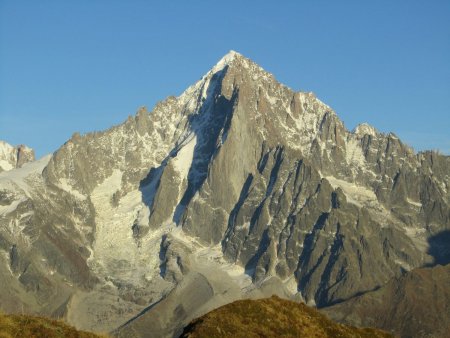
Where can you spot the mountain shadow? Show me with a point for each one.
(439, 248)
(210, 127)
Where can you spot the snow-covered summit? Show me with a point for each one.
(365, 129)
(226, 60)
(14, 156)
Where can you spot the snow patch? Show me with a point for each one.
(225, 61)
(20, 176)
(6, 209)
(354, 154)
(64, 185)
(7, 152)
(355, 194)
(205, 256)
(6, 260)
(5, 165)
(116, 254)
(416, 204)
(5, 148)
(109, 186)
(271, 99)
(403, 264)
(413, 232)
(365, 129)
(183, 161)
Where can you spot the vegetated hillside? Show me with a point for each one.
(414, 305)
(271, 317)
(30, 326)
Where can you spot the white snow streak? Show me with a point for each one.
(183, 161)
(355, 194)
(64, 185)
(20, 176)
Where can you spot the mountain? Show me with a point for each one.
(14, 157)
(272, 317)
(239, 187)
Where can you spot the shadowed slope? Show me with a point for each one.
(416, 304)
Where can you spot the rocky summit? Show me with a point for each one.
(238, 188)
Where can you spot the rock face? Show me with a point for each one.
(14, 157)
(266, 182)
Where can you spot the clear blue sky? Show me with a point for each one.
(85, 65)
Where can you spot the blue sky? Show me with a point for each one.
(86, 65)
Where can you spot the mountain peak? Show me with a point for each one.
(226, 60)
(232, 54)
(14, 156)
(365, 129)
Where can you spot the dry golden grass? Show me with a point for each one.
(18, 326)
(271, 317)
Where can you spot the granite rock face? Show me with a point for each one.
(268, 180)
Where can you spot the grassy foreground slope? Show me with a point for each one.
(271, 317)
(13, 326)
